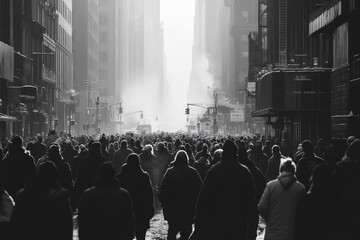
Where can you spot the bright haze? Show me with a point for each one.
(178, 21)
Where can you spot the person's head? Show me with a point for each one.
(181, 158)
(161, 146)
(308, 147)
(133, 160)
(275, 150)
(353, 151)
(132, 142)
(288, 166)
(95, 146)
(148, 148)
(218, 154)
(229, 151)
(17, 142)
(54, 152)
(47, 172)
(39, 138)
(106, 171)
(205, 148)
(123, 144)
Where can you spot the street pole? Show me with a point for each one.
(120, 112)
(97, 115)
(215, 127)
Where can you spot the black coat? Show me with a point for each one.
(137, 183)
(16, 170)
(305, 167)
(88, 171)
(179, 191)
(105, 212)
(42, 211)
(226, 202)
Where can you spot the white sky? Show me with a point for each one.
(178, 19)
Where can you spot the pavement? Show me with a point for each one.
(158, 228)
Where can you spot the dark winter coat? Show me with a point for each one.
(42, 211)
(69, 154)
(260, 160)
(88, 170)
(278, 206)
(305, 167)
(16, 170)
(164, 158)
(105, 212)
(273, 167)
(347, 196)
(64, 174)
(202, 166)
(137, 183)
(149, 163)
(226, 202)
(179, 192)
(38, 150)
(120, 158)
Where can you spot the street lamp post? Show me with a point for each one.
(97, 115)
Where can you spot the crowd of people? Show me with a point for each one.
(208, 187)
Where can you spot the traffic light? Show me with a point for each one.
(141, 115)
(187, 111)
(120, 110)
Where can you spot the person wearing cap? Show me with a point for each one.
(179, 191)
(105, 210)
(226, 199)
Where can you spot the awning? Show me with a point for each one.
(7, 118)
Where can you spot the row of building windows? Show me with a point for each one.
(65, 11)
(64, 69)
(64, 38)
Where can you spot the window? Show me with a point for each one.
(341, 45)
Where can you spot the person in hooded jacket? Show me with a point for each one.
(42, 209)
(202, 165)
(226, 201)
(279, 202)
(274, 164)
(179, 191)
(137, 183)
(105, 210)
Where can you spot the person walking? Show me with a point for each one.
(120, 156)
(279, 202)
(274, 164)
(179, 191)
(105, 210)
(137, 183)
(42, 209)
(226, 201)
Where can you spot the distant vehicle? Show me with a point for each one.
(143, 129)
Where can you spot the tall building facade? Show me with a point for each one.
(86, 63)
(65, 104)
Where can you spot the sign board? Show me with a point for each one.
(237, 115)
(6, 62)
(325, 18)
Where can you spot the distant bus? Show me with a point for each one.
(143, 129)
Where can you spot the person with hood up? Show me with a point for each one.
(226, 200)
(137, 182)
(279, 202)
(178, 195)
(105, 210)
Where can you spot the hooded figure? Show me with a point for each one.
(178, 195)
(226, 200)
(279, 201)
(137, 183)
(105, 210)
